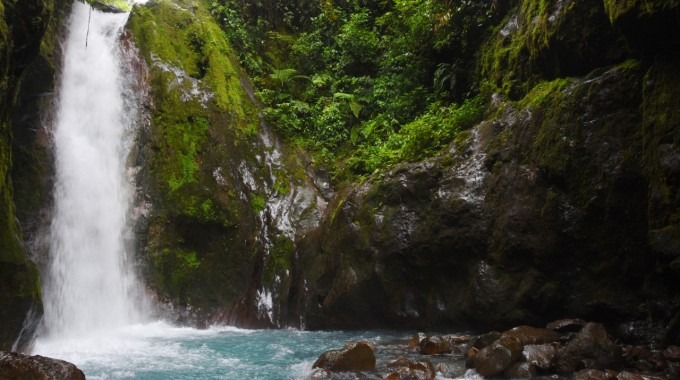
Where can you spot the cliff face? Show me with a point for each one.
(22, 24)
(224, 200)
(563, 202)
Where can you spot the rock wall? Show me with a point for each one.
(225, 200)
(22, 24)
(561, 203)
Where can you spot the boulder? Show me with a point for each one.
(484, 340)
(520, 370)
(543, 356)
(590, 348)
(471, 357)
(355, 356)
(672, 353)
(567, 325)
(434, 345)
(594, 374)
(19, 366)
(497, 357)
(406, 369)
(415, 340)
(533, 335)
(625, 375)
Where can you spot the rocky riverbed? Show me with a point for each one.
(564, 349)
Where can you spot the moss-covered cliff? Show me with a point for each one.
(562, 202)
(22, 24)
(224, 198)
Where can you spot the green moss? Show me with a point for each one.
(190, 40)
(258, 202)
(543, 93)
(279, 260)
(618, 8)
(282, 185)
(551, 144)
(507, 60)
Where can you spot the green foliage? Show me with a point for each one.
(258, 202)
(618, 8)
(360, 83)
(424, 136)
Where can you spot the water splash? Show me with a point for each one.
(89, 286)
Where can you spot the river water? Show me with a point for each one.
(161, 351)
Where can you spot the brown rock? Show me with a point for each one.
(471, 357)
(625, 375)
(520, 370)
(497, 357)
(595, 374)
(355, 356)
(484, 340)
(533, 335)
(567, 325)
(542, 356)
(19, 366)
(590, 348)
(457, 339)
(415, 340)
(434, 345)
(672, 353)
(406, 369)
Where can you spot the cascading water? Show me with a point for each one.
(90, 287)
(93, 310)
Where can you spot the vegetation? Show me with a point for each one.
(363, 84)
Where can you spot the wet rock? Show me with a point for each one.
(471, 357)
(106, 8)
(484, 340)
(415, 340)
(533, 335)
(567, 325)
(595, 374)
(625, 375)
(497, 357)
(355, 356)
(644, 359)
(405, 369)
(521, 370)
(322, 374)
(590, 348)
(19, 366)
(543, 356)
(434, 345)
(672, 353)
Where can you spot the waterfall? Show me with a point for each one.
(90, 286)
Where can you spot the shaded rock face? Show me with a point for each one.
(590, 348)
(562, 203)
(19, 366)
(22, 25)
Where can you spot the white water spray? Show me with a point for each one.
(90, 287)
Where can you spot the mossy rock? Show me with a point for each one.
(547, 39)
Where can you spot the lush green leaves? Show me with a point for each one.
(363, 83)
